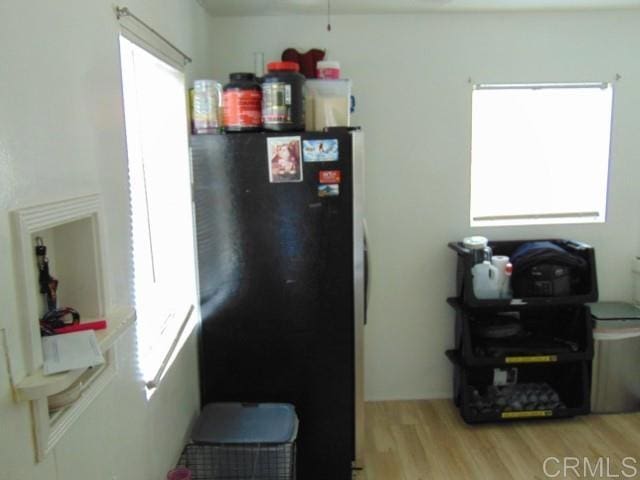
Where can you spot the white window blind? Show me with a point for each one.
(540, 153)
(160, 191)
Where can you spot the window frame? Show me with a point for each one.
(544, 217)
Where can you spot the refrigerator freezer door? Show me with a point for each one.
(276, 269)
(360, 273)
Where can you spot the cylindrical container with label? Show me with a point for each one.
(242, 100)
(282, 97)
(207, 101)
(501, 262)
(328, 69)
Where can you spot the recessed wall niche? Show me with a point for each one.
(72, 232)
(74, 261)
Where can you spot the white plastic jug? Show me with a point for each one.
(486, 281)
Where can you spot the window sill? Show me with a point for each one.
(536, 220)
(38, 385)
(169, 346)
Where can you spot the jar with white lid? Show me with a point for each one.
(479, 248)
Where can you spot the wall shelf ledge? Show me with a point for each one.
(39, 386)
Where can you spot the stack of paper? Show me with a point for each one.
(70, 351)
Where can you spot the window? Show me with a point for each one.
(540, 153)
(160, 191)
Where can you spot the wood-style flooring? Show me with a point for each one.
(427, 440)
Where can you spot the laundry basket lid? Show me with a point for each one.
(614, 316)
(614, 310)
(241, 423)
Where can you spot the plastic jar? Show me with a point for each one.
(206, 106)
(180, 473)
(328, 69)
(479, 248)
(282, 97)
(242, 100)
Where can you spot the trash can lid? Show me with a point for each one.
(615, 315)
(614, 310)
(239, 423)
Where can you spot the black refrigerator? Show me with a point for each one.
(282, 274)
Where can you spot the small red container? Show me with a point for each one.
(328, 69)
(180, 473)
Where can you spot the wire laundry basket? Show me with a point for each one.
(240, 462)
(238, 441)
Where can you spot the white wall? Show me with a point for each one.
(411, 79)
(62, 135)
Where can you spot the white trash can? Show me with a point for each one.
(615, 381)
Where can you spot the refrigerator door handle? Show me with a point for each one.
(367, 269)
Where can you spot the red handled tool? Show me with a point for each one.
(78, 327)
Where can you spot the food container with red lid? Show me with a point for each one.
(242, 100)
(328, 69)
(282, 97)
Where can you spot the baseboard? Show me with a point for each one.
(421, 396)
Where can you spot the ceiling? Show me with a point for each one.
(310, 7)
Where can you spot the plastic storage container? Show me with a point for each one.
(545, 336)
(234, 441)
(242, 100)
(282, 97)
(473, 388)
(207, 99)
(586, 291)
(327, 104)
(615, 381)
(527, 357)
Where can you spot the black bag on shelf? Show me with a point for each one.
(545, 269)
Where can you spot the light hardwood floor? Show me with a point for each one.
(427, 440)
